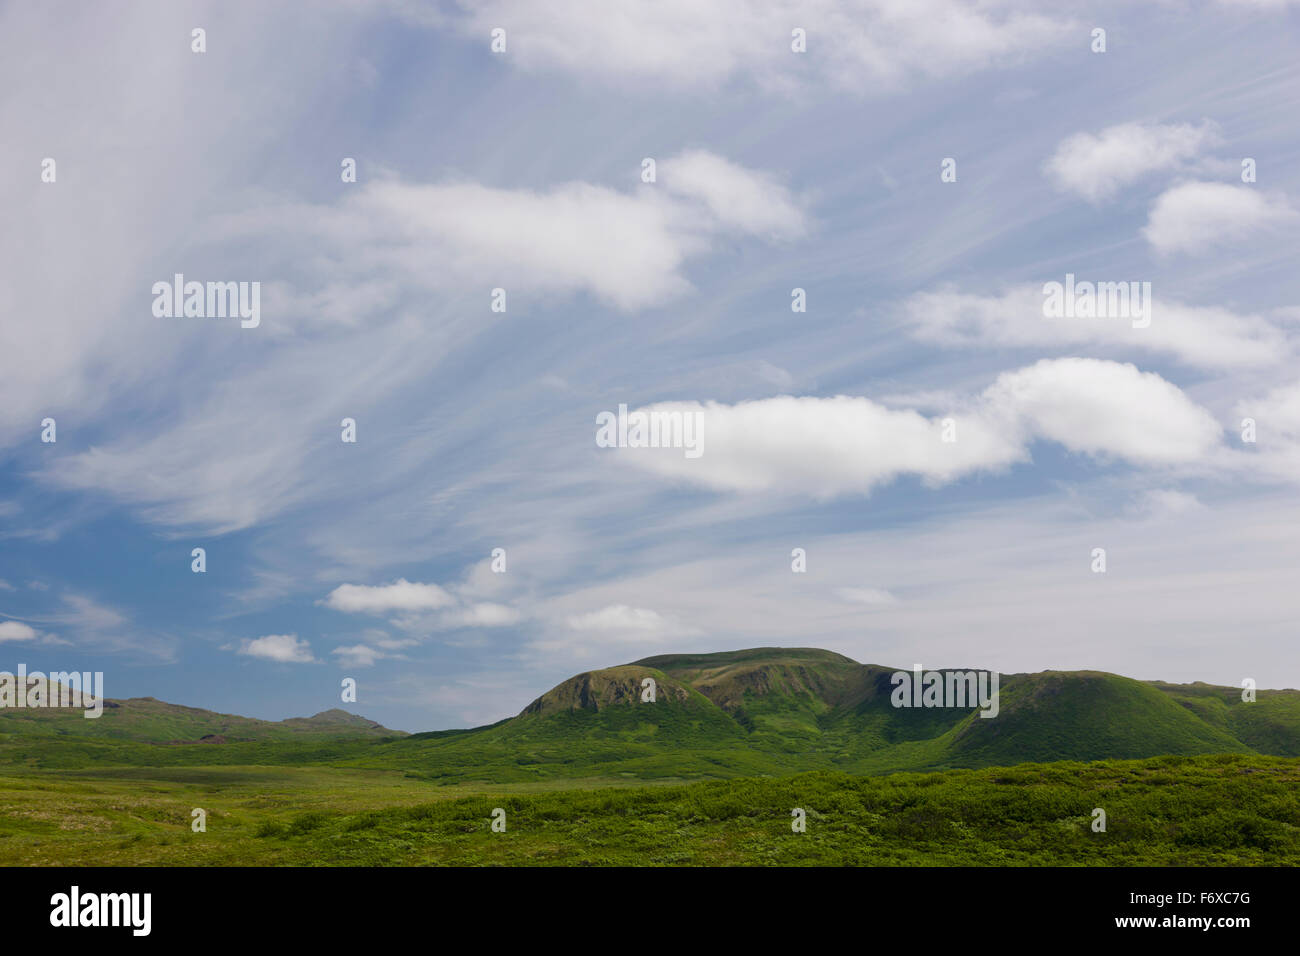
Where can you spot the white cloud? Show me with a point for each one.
(91, 624)
(1276, 451)
(749, 202)
(16, 631)
(869, 596)
(375, 646)
(618, 617)
(356, 342)
(283, 648)
(484, 614)
(823, 447)
(1097, 166)
(588, 635)
(358, 655)
(858, 45)
(1195, 217)
(1278, 412)
(1167, 503)
(393, 643)
(401, 595)
(84, 613)
(1106, 409)
(1204, 336)
(626, 246)
(421, 609)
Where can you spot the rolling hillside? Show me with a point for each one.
(756, 712)
(148, 720)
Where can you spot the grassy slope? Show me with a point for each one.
(1215, 810)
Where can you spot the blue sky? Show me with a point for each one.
(475, 429)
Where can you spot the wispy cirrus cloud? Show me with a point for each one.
(863, 46)
(1205, 336)
(627, 247)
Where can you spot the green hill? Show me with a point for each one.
(754, 712)
(775, 711)
(148, 720)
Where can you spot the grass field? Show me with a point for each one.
(1210, 810)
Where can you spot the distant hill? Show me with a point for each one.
(757, 712)
(148, 720)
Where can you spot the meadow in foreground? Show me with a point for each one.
(1210, 810)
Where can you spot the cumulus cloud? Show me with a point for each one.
(1097, 166)
(1195, 217)
(419, 609)
(857, 45)
(1105, 409)
(401, 595)
(16, 631)
(1204, 336)
(824, 447)
(282, 648)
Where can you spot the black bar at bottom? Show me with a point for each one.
(328, 904)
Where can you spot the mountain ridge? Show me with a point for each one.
(751, 712)
(150, 720)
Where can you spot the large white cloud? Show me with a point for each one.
(281, 648)
(1096, 166)
(844, 445)
(1196, 217)
(16, 631)
(401, 595)
(1105, 409)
